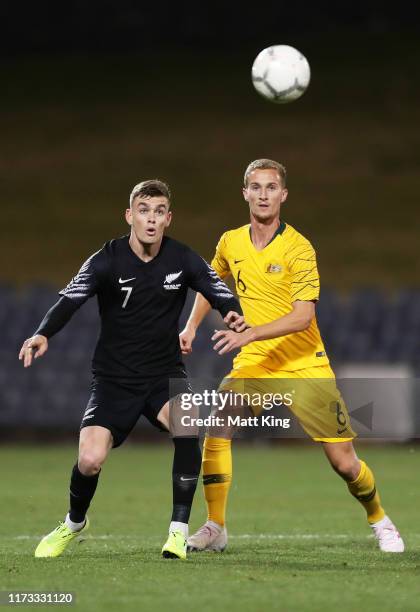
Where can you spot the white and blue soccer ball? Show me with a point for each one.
(281, 74)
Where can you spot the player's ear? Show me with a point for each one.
(168, 218)
(284, 195)
(245, 193)
(129, 216)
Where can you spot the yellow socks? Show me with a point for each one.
(217, 476)
(364, 490)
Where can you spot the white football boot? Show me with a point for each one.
(388, 537)
(210, 536)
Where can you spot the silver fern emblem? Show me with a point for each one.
(171, 277)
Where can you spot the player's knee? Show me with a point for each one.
(90, 462)
(346, 466)
(225, 424)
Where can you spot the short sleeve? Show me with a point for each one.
(304, 277)
(220, 262)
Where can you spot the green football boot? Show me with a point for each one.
(176, 546)
(56, 542)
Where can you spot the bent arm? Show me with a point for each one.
(299, 319)
(215, 292)
(199, 311)
(295, 321)
(219, 265)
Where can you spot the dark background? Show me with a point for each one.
(102, 95)
(51, 27)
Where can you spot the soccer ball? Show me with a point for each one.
(281, 74)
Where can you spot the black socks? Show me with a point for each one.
(82, 489)
(185, 473)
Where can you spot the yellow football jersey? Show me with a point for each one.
(267, 284)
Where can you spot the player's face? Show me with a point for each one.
(265, 194)
(149, 217)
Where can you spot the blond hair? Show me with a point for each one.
(266, 164)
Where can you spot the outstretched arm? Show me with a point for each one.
(80, 289)
(33, 348)
(54, 320)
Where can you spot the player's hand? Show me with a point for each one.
(228, 340)
(235, 321)
(186, 338)
(33, 348)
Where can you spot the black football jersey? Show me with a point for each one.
(139, 305)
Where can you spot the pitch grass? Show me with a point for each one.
(299, 541)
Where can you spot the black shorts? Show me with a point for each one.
(118, 405)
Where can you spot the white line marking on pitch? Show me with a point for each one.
(243, 536)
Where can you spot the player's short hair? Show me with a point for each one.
(151, 189)
(266, 164)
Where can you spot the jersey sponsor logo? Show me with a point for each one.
(274, 268)
(125, 280)
(169, 284)
(236, 261)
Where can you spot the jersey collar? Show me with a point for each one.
(278, 232)
(140, 261)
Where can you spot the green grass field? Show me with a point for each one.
(298, 540)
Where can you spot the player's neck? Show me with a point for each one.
(263, 231)
(145, 252)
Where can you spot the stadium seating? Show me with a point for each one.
(364, 326)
